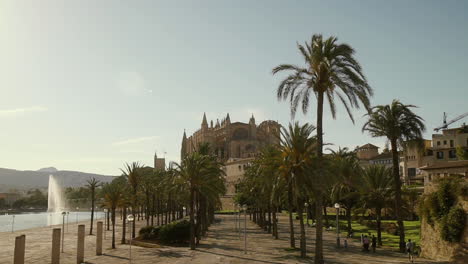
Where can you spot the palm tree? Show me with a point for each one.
(330, 70)
(113, 198)
(298, 150)
(202, 175)
(376, 190)
(345, 189)
(132, 173)
(92, 184)
(398, 124)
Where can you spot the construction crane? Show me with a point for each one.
(447, 123)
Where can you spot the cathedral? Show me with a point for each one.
(235, 144)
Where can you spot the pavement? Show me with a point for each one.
(223, 244)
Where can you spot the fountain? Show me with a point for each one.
(56, 198)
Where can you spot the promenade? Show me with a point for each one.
(222, 245)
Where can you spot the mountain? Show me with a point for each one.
(16, 179)
(48, 169)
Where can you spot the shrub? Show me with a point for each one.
(453, 224)
(176, 232)
(149, 232)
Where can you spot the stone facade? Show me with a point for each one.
(234, 143)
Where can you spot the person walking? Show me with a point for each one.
(409, 250)
(374, 243)
(366, 243)
(345, 243)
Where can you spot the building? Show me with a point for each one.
(368, 154)
(445, 145)
(159, 163)
(234, 143)
(412, 158)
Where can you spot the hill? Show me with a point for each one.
(16, 179)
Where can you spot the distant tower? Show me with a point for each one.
(228, 120)
(159, 164)
(204, 124)
(253, 127)
(183, 149)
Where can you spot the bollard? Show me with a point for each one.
(80, 245)
(19, 249)
(99, 239)
(56, 232)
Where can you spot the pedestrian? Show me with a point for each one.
(366, 243)
(362, 239)
(409, 250)
(345, 243)
(374, 243)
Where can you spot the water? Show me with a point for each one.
(56, 198)
(32, 220)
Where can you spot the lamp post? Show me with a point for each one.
(68, 213)
(105, 222)
(13, 224)
(337, 206)
(184, 211)
(63, 227)
(130, 219)
(306, 206)
(245, 228)
(77, 214)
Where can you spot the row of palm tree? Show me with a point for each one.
(161, 196)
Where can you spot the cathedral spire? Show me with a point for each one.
(252, 119)
(228, 119)
(204, 124)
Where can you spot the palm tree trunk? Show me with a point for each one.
(398, 203)
(348, 217)
(124, 225)
(269, 219)
(318, 259)
(275, 225)
(292, 241)
(378, 212)
(113, 227)
(92, 212)
(325, 215)
(300, 209)
(192, 219)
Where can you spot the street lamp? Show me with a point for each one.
(67, 219)
(184, 211)
(13, 224)
(307, 212)
(245, 228)
(105, 222)
(63, 227)
(77, 214)
(130, 219)
(337, 206)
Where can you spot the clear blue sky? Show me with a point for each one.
(89, 85)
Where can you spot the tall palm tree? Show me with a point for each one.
(330, 70)
(112, 199)
(345, 188)
(376, 189)
(202, 175)
(133, 175)
(298, 150)
(399, 124)
(92, 184)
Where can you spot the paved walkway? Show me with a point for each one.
(222, 245)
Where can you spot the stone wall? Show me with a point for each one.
(434, 247)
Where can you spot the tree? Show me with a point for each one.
(398, 123)
(330, 70)
(376, 190)
(112, 199)
(132, 173)
(92, 184)
(202, 176)
(298, 150)
(345, 189)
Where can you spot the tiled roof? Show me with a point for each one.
(368, 145)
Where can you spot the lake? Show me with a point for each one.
(32, 220)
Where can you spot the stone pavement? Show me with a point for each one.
(222, 245)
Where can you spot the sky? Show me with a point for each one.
(90, 85)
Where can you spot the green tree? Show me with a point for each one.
(348, 172)
(112, 200)
(398, 123)
(92, 184)
(332, 71)
(133, 176)
(376, 190)
(298, 147)
(462, 154)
